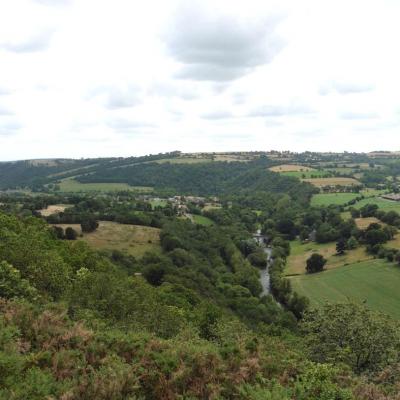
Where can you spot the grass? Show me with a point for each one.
(299, 253)
(54, 209)
(375, 282)
(326, 199)
(321, 182)
(290, 168)
(158, 203)
(71, 185)
(364, 223)
(307, 174)
(383, 204)
(134, 239)
(202, 220)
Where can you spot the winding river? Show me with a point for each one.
(264, 273)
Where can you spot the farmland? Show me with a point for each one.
(374, 281)
(326, 199)
(290, 168)
(321, 182)
(299, 254)
(202, 220)
(364, 223)
(71, 185)
(383, 204)
(54, 209)
(133, 239)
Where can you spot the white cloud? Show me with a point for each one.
(90, 78)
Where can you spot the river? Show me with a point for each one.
(264, 273)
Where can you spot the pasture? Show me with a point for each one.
(383, 204)
(326, 199)
(202, 220)
(364, 223)
(335, 181)
(54, 209)
(375, 282)
(71, 185)
(308, 174)
(299, 253)
(290, 168)
(134, 239)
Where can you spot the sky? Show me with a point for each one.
(94, 78)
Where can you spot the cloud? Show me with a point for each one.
(281, 110)
(216, 115)
(167, 89)
(9, 128)
(116, 97)
(54, 2)
(35, 43)
(218, 47)
(5, 111)
(344, 88)
(354, 115)
(123, 125)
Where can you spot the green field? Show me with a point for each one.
(375, 282)
(71, 185)
(158, 203)
(326, 199)
(307, 174)
(300, 252)
(202, 220)
(133, 239)
(385, 205)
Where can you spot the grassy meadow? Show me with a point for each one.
(383, 204)
(71, 185)
(134, 239)
(202, 220)
(299, 253)
(321, 182)
(326, 199)
(375, 282)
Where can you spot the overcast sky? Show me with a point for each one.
(87, 78)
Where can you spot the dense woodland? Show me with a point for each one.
(188, 321)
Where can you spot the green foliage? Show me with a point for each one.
(315, 263)
(352, 334)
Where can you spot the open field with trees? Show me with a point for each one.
(71, 185)
(374, 282)
(340, 181)
(134, 239)
(383, 204)
(290, 168)
(54, 209)
(296, 262)
(202, 220)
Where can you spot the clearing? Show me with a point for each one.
(375, 282)
(364, 223)
(54, 209)
(383, 204)
(134, 239)
(326, 199)
(299, 253)
(202, 220)
(321, 182)
(290, 168)
(71, 185)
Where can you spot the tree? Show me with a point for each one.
(351, 333)
(340, 247)
(315, 263)
(70, 234)
(258, 259)
(89, 225)
(352, 243)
